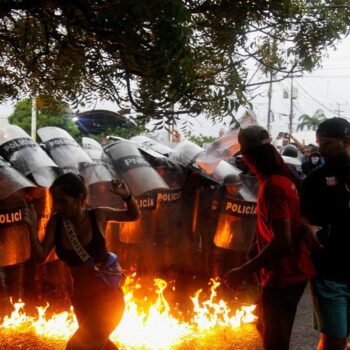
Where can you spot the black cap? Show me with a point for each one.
(253, 136)
(334, 127)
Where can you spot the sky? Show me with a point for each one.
(326, 88)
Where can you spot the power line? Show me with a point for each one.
(313, 98)
(324, 76)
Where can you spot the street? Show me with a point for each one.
(304, 337)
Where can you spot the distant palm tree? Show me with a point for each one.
(311, 122)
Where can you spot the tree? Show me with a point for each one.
(50, 113)
(311, 122)
(162, 58)
(201, 139)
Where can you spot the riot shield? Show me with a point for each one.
(101, 169)
(237, 224)
(170, 237)
(14, 234)
(186, 153)
(11, 180)
(135, 244)
(235, 229)
(134, 168)
(62, 148)
(98, 176)
(24, 154)
(92, 148)
(145, 142)
(223, 170)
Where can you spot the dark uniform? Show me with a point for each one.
(326, 203)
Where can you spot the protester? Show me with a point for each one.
(285, 141)
(290, 156)
(282, 259)
(326, 210)
(97, 305)
(315, 160)
(308, 149)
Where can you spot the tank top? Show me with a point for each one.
(96, 247)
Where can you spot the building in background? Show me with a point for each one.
(99, 120)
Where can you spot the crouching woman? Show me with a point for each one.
(77, 235)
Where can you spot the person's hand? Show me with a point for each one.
(120, 188)
(29, 215)
(233, 278)
(310, 237)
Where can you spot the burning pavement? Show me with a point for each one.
(149, 321)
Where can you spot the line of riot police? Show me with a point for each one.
(195, 225)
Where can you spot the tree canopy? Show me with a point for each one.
(160, 58)
(50, 112)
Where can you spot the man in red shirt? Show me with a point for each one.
(283, 260)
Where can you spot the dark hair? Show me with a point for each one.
(71, 184)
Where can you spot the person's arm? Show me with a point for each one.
(309, 234)
(39, 250)
(300, 145)
(277, 248)
(132, 211)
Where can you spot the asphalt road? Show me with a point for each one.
(304, 336)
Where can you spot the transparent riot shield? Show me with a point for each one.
(92, 148)
(186, 153)
(170, 237)
(14, 233)
(237, 224)
(11, 180)
(62, 148)
(223, 171)
(235, 230)
(147, 143)
(134, 168)
(98, 176)
(18, 148)
(133, 243)
(101, 169)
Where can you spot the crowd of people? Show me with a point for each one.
(302, 234)
(308, 155)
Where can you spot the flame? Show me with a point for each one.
(45, 215)
(145, 324)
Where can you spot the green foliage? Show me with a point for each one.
(160, 58)
(201, 139)
(311, 122)
(49, 113)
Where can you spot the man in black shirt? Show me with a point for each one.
(326, 209)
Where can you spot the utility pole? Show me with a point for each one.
(269, 94)
(291, 106)
(292, 95)
(33, 120)
(338, 110)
